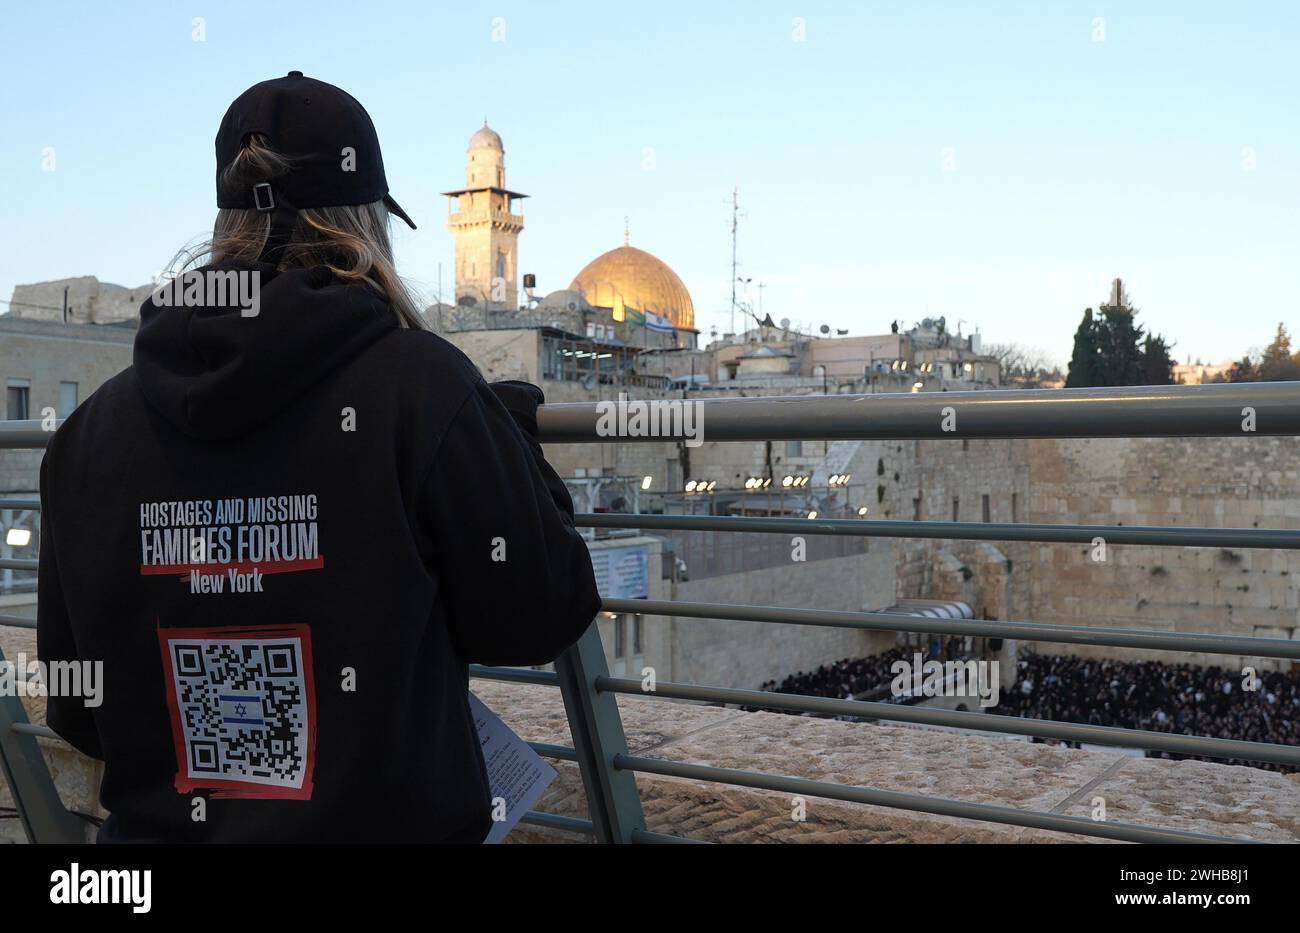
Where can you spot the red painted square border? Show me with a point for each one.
(240, 789)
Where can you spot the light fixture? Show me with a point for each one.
(646, 481)
(918, 386)
(767, 482)
(690, 486)
(787, 481)
(862, 512)
(712, 484)
(18, 537)
(812, 514)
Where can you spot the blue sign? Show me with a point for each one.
(621, 572)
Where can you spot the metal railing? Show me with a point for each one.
(589, 693)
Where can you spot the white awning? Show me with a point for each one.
(933, 608)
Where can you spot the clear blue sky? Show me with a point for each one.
(1072, 160)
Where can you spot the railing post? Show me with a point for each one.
(613, 801)
(44, 816)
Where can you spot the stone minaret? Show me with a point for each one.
(485, 229)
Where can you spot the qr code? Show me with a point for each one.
(243, 710)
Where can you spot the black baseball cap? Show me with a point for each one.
(323, 130)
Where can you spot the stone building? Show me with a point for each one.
(81, 300)
(632, 282)
(485, 227)
(47, 368)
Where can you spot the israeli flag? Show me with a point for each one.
(241, 709)
(655, 322)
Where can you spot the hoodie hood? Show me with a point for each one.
(223, 349)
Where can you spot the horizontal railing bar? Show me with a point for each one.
(1127, 411)
(32, 504)
(1245, 645)
(36, 729)
(979, 722)
(7, 564)
(569, 824)
(17, 621)
(515, 675)
(646, 837)
(940, 806)
(24, 435)
(1157, 535)
(559, 752)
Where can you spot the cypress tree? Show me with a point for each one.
(1158, 363)
(1120, 360)
(1083, 361)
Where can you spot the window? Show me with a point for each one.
(1014, 519)
(620, 637)
(955, 507)
(636, 635)
(916, 509)
(984, 504)
(67, 398)
(794, 449)
(16, 399)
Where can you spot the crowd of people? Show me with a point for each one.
(1178, 699)
(845, 679)
(1149, 695)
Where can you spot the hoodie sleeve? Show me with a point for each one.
(513, 570)
(68, 716)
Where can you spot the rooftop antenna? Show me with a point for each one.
(735, 224)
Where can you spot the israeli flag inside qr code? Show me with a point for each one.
(243, 710)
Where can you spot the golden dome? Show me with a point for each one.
(643, 281)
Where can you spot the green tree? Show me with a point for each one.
(1244, 370)
(1157, 362)
(1110, 349)
(1120, 342)
(1277, 363)
(1083, 362)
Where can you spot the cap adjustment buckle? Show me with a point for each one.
(263, 197)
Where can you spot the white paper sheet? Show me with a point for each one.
(516, 773)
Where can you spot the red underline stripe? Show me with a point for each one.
(272, 566)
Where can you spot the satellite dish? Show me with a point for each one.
(825, 329)
(785, 323)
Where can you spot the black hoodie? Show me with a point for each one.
(285, 536)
